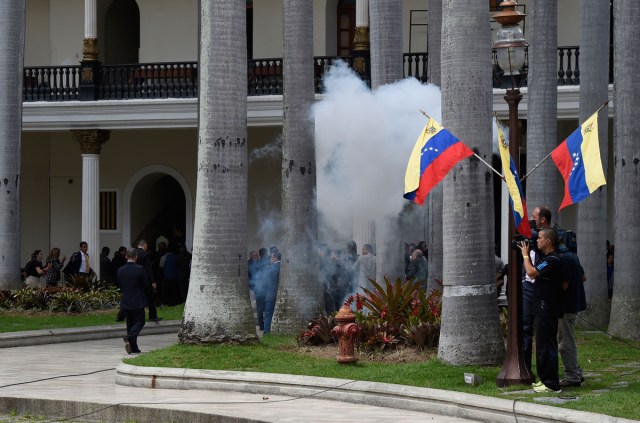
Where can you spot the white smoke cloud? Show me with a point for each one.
(272, 150)
(363, 143)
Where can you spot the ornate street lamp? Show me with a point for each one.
(510, 48)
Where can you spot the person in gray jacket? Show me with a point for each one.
(365, 268)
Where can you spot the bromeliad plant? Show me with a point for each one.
(318, 331)
(396, 313)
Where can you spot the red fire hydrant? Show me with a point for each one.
(346, 332)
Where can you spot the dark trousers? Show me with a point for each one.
(527, 322)
(151, 300)
(261, 302)
(547, 350)
(135, 323)
(269, 308)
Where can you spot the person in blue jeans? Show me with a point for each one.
(272, 279)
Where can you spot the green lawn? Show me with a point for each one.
(608, 364)
(13, 321)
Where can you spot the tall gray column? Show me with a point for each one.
(90, 145)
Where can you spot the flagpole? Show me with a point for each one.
(548, 155)
(475, 154)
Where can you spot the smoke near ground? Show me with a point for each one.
(363, 143)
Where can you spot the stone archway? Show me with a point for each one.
(155, 199)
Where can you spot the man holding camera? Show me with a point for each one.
(541, 219)
(547, 306)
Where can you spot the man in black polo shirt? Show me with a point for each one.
(547, 307)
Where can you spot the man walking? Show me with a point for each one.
(133, 281)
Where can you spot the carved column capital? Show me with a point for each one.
(361, 39)
(90, 49)
(91, 140)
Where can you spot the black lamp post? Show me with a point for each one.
(510, 48)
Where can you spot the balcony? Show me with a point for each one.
(180, 80)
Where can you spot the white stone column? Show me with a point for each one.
(362, 13)
(90, 206)
(90, 18)
(90, 44)
(90, 145)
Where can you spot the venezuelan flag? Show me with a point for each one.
(578, 160)
(516, 199)
(435, 153)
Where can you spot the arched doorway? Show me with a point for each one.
(346, 26)
(156, 202)
(122, 33)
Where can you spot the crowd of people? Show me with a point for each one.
(342, 272)
(170, 268)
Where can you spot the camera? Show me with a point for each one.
(518, 238)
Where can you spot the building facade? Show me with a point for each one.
(124, 161)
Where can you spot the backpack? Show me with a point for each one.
(567, 239)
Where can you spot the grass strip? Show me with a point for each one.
(17, 321)
(612, 370)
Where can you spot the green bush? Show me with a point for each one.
(81, 295)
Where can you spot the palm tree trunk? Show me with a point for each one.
(300, 295)
(542, 95)
(385, 19)
(470, 332)
(12, 24)
(434, 41)
(625, 305)
(592, 212)
(434, 199)
(218, 308)
(386, 68)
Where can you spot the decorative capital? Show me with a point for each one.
(91, 140)
(361, 39)
(90, 49)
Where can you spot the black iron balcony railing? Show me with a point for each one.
(180, 80)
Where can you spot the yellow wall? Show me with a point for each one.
(67, 31)
(168, 30)
(51, 181)
(37, 48)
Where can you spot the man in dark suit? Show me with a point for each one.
(133, 282)
(145, 260)
(79, 262)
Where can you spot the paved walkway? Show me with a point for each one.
(43, 373)
(94, 389)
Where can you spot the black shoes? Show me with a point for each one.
(127, 345)
(570, 383)
(155, 319)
